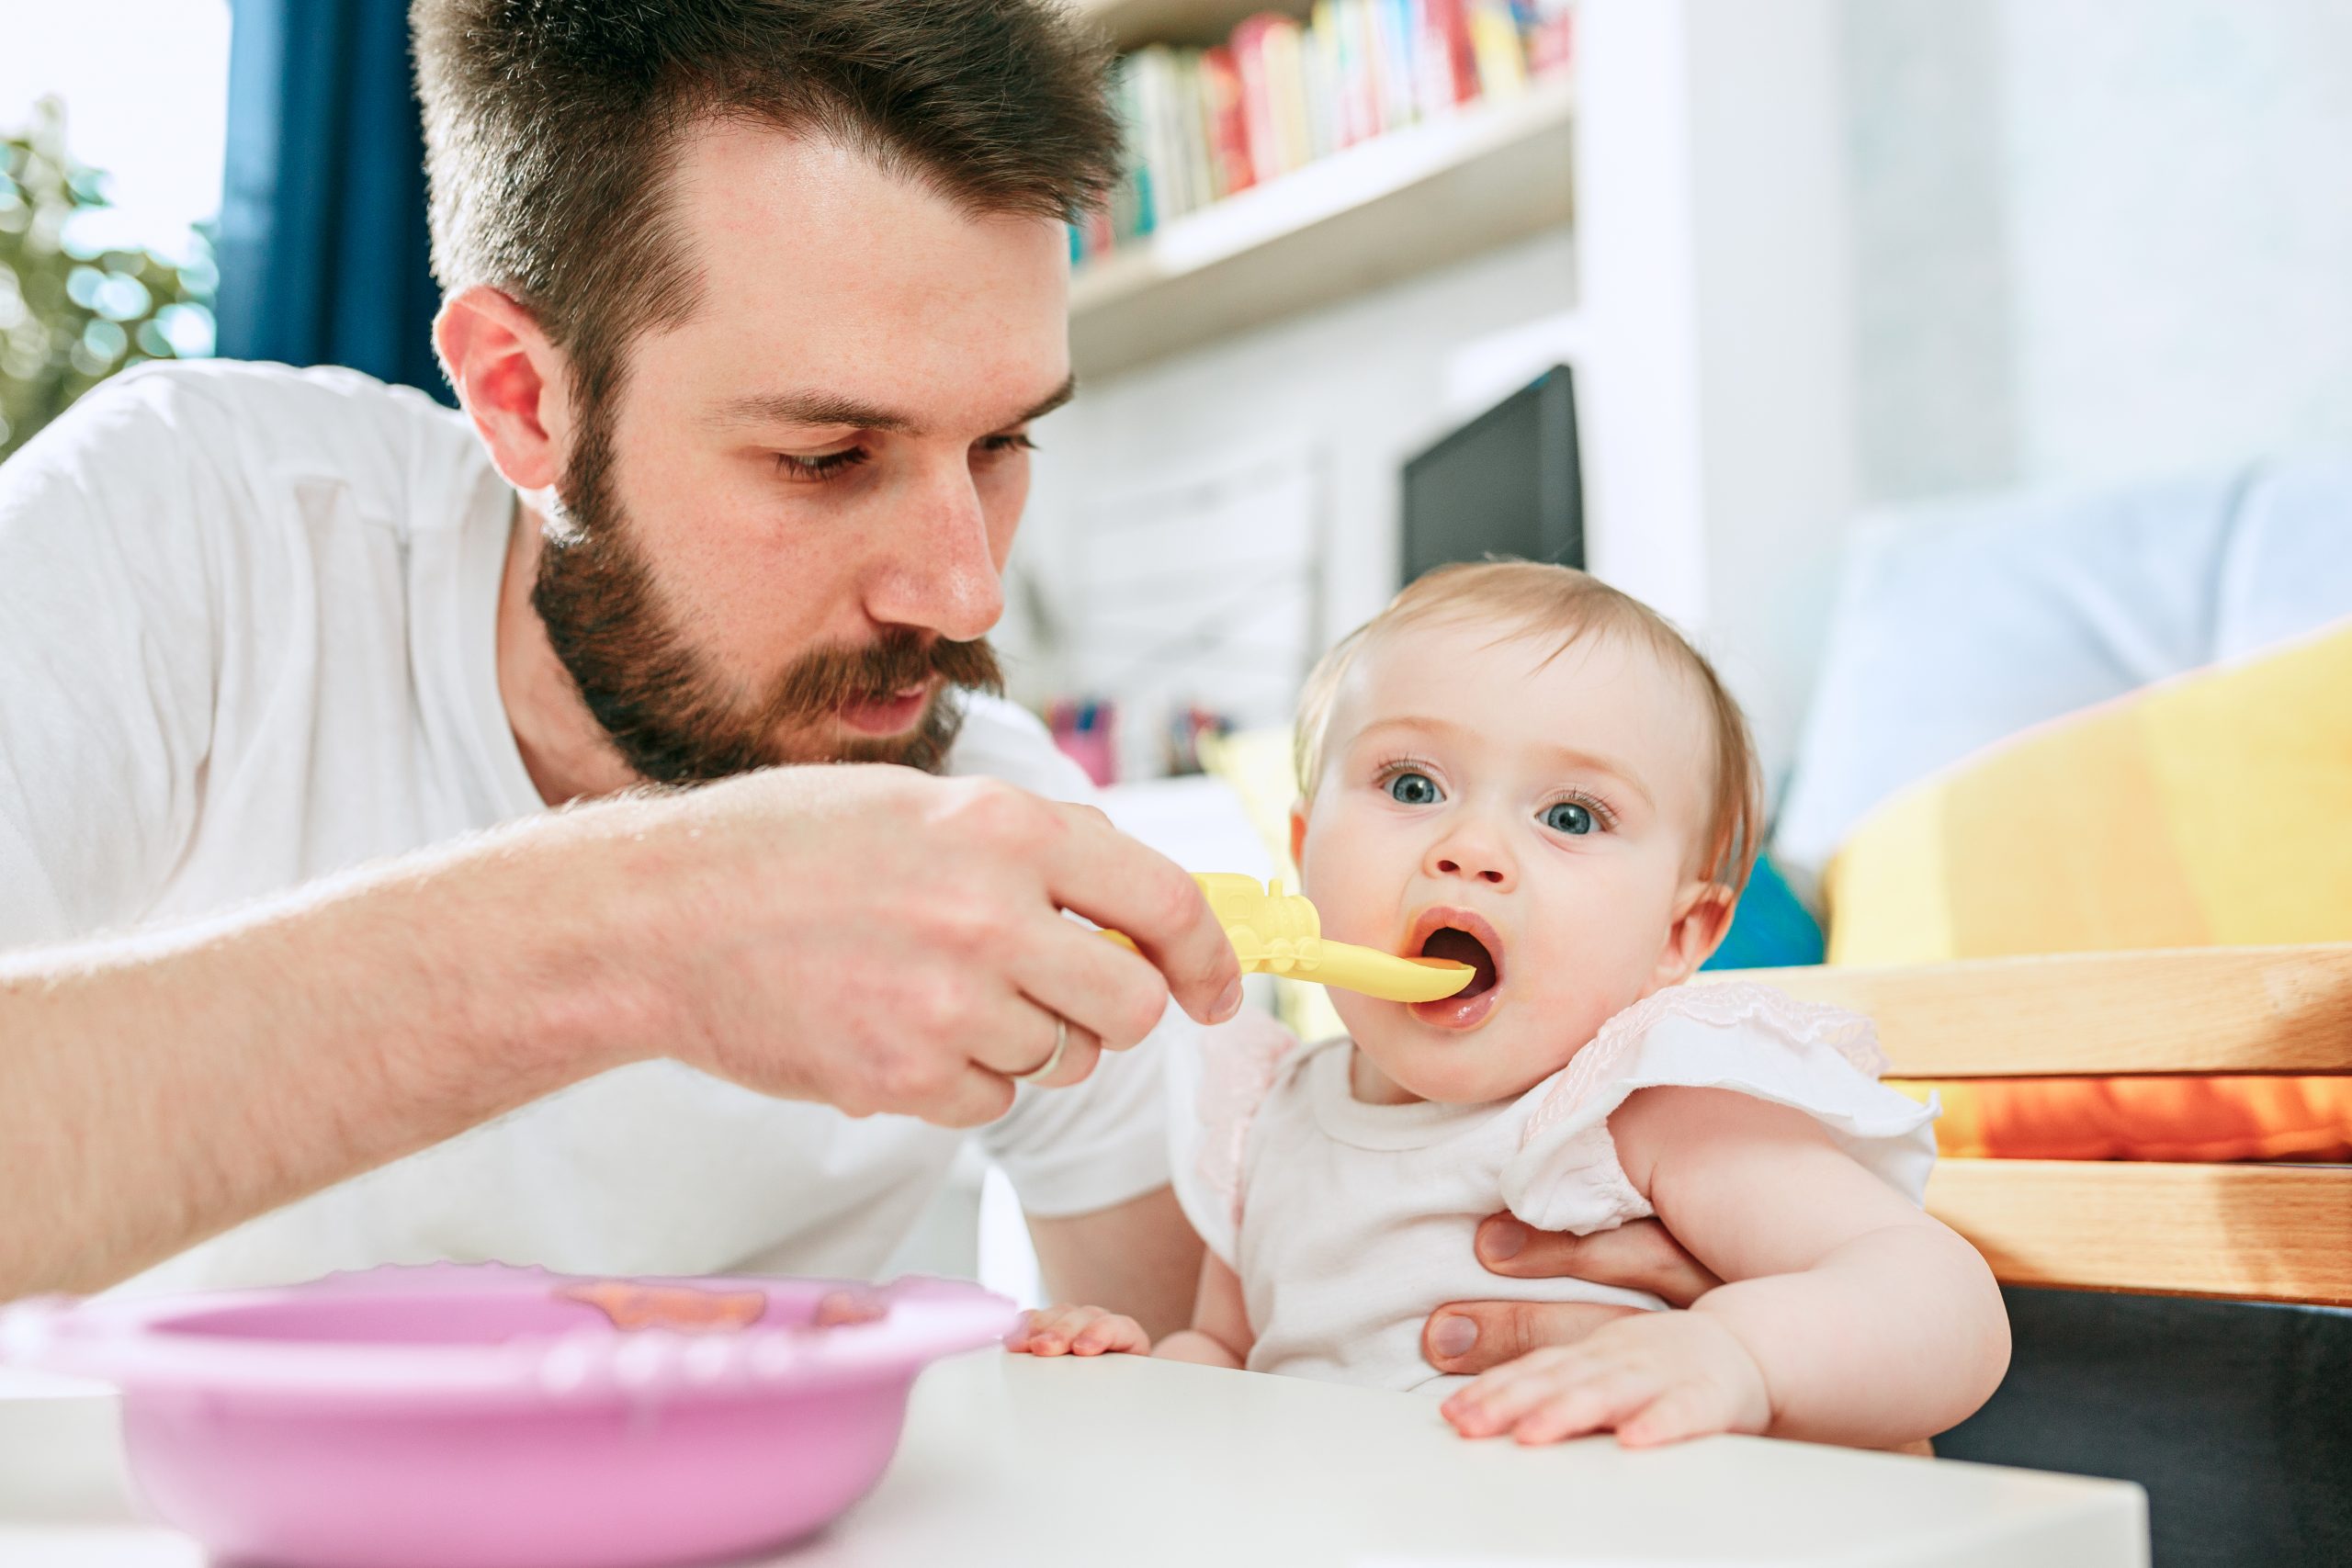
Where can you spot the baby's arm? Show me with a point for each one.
(1852, 1318)
(1219, 1336)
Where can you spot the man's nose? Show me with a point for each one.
(938, 574)
(1472, 848)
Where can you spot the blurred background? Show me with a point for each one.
(1792, 267)
(1971, 377)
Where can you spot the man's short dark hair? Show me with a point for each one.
(550, 127)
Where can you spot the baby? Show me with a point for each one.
(1517, 767)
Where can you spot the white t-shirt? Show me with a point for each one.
(248, 641)
(1349, 1224)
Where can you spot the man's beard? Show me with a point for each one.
(673, 718)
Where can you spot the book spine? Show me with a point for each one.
(1550, 39)
(1287, 84)
(1132, 213)
(1193, 136)
(1394, 27)
(1454, 68)
(1260, 114)
(1228, 122)
(1495, 47)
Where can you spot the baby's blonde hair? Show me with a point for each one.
(1531, 599)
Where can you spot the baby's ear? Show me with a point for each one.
(1703, 916)
(1298, 836)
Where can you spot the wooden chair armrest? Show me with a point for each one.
(2211, 1009)
(2244, 1231)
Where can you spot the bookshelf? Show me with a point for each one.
(1415, 200)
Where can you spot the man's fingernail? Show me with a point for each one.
(1454, 1335)
(1506, 1239)
(1228, 1004)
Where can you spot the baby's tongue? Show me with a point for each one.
(1461, 947)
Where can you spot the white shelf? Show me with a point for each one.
(1415, 200)
(1133, 23)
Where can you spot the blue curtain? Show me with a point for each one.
(322, 243)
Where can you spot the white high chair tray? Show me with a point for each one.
(1142, 1464)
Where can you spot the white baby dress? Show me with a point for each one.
(1348, 1222)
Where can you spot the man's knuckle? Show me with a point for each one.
(1522, 1326)
(1172, 897)
(904, 1076)
(963, 921)
(1140, 1014)
(1001, 815)
(939, 1008)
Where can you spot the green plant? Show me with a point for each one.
(70, 318)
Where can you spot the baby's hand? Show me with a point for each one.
(1658, 1377)
(1078, 1331)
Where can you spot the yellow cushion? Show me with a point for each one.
(2210, 809)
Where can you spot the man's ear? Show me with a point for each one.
(511, 381)
(1701, 916)
(1298, 837)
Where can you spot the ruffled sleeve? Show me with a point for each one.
(1238, 1064)
(1822, 1060)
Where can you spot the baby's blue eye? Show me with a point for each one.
(1413, 789)
(1567, 816)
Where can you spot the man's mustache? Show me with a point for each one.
(828, 679)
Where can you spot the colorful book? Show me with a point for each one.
(1201, 125)
(1229, 137)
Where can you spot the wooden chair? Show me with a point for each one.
(2279, 1232)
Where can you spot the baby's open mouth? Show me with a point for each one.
(1458, 946)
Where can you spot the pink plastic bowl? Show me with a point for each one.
(469, 1416)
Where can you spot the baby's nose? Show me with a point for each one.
(1469, 867)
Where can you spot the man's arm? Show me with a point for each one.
(159, 1092)
(870, 938)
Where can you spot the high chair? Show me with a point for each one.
(2276, 1233)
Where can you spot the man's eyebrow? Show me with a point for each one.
(832, 408)
(1051, 400)
(1589, 762)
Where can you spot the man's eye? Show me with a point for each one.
(1567, 816)
(825, 465)
(1413, 789)
(997, 445)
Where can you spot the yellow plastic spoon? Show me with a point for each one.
(1275, 932)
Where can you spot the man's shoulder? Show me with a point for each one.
(280, 395)
(260, 426)
(1002, 740)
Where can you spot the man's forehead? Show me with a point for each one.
(832, 289)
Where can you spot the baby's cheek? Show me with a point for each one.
(1370, 1023)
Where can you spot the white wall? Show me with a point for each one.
(1365, 384)
(2097, 239)
(1717, 309)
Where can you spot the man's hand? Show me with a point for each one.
(882, 941)
(1471, 1336)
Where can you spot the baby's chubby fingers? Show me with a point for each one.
(1078, 1331)
(1551, 1394)
(1692, 1410)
